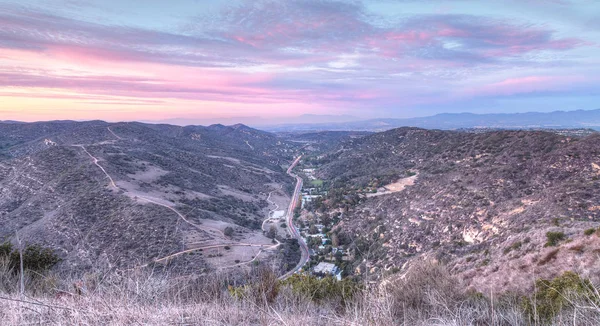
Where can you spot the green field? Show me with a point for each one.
(317, 183)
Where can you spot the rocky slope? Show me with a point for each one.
(484, 203)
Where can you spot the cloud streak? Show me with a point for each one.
(324, 53)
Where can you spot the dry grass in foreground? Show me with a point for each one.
(427, 295)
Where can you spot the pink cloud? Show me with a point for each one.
(527, 84)
(289, 53)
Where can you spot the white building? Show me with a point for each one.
(325, 269)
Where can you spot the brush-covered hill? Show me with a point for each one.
(126, 193)
(482, 202)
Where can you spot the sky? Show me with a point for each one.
(275, 60)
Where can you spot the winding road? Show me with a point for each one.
(305, 255)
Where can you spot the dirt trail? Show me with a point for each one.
(149, 200)
(264, 247)
(207, 229)
(273, 210)
(112, 182)
(235, 244)
(117, 136)
(200, 227)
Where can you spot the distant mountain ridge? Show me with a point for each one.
(450, 121)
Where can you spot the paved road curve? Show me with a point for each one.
(290, 222)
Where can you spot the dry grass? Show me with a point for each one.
(427, 295)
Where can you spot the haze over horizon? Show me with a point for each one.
(279, 60)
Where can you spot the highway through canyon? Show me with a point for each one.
(305, 254)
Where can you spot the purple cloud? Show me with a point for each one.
(334, 53)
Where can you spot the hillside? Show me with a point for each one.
(482, 203)
(125, 194)
(430, 227)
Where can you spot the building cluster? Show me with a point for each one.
(315, 191)
(325, 255)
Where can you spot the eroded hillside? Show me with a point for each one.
(484, 203)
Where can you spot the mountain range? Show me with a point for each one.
(452, 121)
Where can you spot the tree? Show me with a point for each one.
(339, 256)
(228, 232)
(314, 242)
(335, 241)
(272, 232)
(326, 219)
(313, 229)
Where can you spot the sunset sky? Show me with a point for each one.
(244, 60)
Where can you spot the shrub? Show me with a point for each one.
(326, 289)
(272, 233)
(5, 249)
(426, 287)
(554, 238)
(515, 246)
(551, 297)
(263, 289)
(35, 257)
(589, 232)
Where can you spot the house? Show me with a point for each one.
(336, 250)
(308, 199)
(327, 269)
